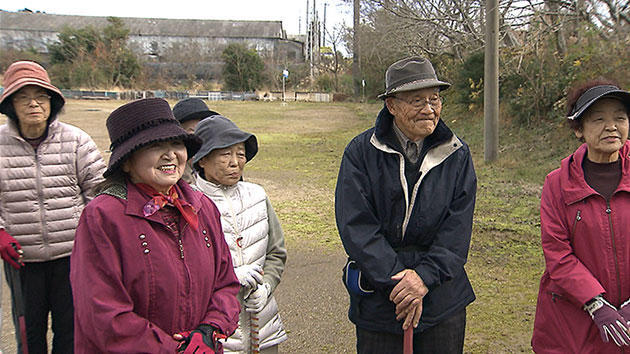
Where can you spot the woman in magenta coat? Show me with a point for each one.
(584, 297)
(150, 270)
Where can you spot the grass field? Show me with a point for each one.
(300, 147)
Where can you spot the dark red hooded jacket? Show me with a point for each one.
(586, 243)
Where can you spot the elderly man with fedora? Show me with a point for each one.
(404, 206)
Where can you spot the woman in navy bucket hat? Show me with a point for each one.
(251, 228)
(584, 296)
(150, 269)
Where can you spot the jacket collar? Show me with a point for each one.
(207, 186)
(15, 132)
(573, 183)
(384, 132)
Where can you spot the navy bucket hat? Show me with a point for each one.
(191, 108)
(218, 132)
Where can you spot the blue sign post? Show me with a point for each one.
(285, 75)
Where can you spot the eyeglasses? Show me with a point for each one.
(26, 100)
(420, 102)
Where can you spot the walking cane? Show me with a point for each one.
(408, 341)
(255, 335)
(254, 328)
(19, 303)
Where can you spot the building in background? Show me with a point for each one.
(162, 43)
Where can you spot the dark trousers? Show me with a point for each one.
(45, 289)
(447, 337)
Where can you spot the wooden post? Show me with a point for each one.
(356, 65)
(491, 82)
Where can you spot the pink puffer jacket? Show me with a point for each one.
(43, 192)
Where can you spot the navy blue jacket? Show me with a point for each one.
(385, 229)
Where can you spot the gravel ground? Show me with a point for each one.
(313, 304)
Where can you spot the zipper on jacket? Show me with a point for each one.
(181, 247)
(410, 203)
(179, 239)
(40, 198)
(237, 230)
(555, 297)
(577, 218)
(614, 246)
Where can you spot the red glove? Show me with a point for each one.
(9, 250)
(202, 340)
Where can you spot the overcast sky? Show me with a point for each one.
(292, 13)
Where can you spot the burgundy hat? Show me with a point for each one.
(22, 73)
(140, 123)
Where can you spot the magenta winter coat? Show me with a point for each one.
(586, 243)
(132, 290)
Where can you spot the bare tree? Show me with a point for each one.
(333, 62)
(457, 26)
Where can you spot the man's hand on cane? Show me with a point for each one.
(407, 295)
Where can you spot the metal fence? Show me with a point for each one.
(176, 95)
(207, 95)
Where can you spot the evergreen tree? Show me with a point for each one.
(243, 68)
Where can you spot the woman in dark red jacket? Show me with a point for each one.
(150, 270)
(584, 297)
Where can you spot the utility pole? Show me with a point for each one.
(356, 64)
(311, 37)
(324, 36)
(491, 82)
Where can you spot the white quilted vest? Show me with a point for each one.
(246, 228)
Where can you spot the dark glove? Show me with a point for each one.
(624, 311)
(9, 249)
(608, 321)
(202, 340)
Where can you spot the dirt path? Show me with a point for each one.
(313, 304)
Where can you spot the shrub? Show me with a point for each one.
(243, 68)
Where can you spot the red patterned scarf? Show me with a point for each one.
(159, 200)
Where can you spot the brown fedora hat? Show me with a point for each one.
(410, 74)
